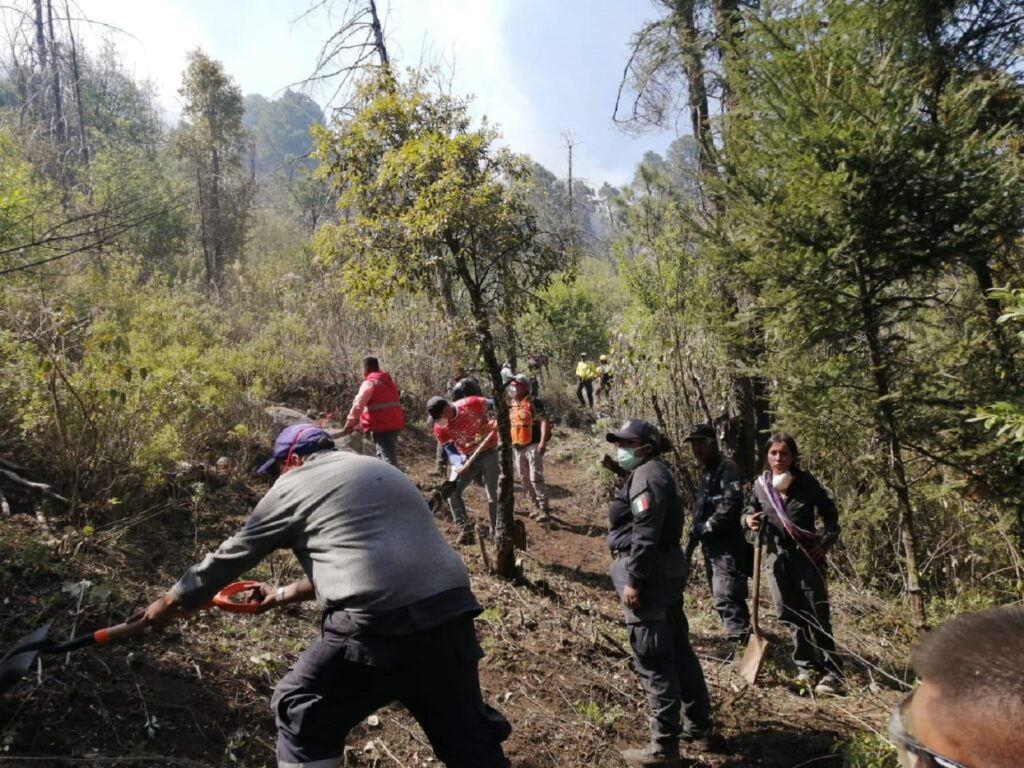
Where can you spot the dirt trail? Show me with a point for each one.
(557, 660)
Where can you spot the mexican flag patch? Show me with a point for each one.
(642, 503)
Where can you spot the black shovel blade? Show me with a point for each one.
(17, 664)
(440, 494)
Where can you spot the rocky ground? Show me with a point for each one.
(557, 660)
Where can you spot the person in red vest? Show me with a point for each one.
(376, 410)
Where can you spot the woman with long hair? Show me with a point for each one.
(785, 506)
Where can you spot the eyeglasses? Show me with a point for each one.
(913, 754)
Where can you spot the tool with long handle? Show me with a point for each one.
(447, 488)
(757, 645)
(16, 663)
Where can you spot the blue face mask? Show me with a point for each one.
(627, 457)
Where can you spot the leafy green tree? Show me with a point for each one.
(429, 204)
(212, 144)
(1007, 416)
(848, 200)
(280, 130)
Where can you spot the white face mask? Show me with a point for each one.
(782, 482)
(441, 422)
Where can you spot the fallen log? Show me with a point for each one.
(42, 488)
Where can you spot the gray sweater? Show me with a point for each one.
(359, 527)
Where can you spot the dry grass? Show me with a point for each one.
(557, 663)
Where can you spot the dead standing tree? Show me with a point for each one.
(677, 65)
(350, 51)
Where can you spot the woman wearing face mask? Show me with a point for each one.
(648, 571)
(790, 501)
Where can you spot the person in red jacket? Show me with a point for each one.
(466, 425)
(376, 410)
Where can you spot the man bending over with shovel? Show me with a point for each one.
(398, 611)
(466, 424)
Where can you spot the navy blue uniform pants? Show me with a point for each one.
(801, 599)
(672, 677)
(728, 581)
(432, 672)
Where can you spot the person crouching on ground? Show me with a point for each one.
(398, 611)
(648, 571)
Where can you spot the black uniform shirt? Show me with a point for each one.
(645, 518)
(719, 501)
(805, 500)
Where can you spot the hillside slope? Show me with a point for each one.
(557, 662)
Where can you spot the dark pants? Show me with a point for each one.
(672, 677)
(728, 580)
(386, 446)
(585, 385)
(801, 599)
(433, 673)
(441, 457)
(487, 468)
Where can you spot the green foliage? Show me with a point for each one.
(839, 214)
(144, 183)
(212, 143)
(594, 714)
(867, 186)
(868, 750)
(429, 202)
(121, 379)
(118, 111)
(280, 130)
(573, 317)
(1006, 418)
(24, 202)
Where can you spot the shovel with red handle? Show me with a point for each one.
(16, 663)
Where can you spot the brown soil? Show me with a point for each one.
(557, 660)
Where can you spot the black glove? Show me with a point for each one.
(829, 540)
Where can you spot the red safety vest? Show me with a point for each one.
(521, 413)
(384, 411)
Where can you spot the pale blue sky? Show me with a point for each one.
(537, 68)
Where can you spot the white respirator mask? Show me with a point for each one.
(782, 482)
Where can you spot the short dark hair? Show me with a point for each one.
(788, 440)
(371, 363)
(976, 661)
(435, 406)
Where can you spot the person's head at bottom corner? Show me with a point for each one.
(969, 708)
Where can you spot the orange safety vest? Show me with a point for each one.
(384, 411)
(521, 413)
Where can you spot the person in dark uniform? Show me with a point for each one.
(716, 525)
(789, 500)
(648, 571)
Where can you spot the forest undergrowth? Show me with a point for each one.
(557, 661)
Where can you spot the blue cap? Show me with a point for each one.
(299, 439)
